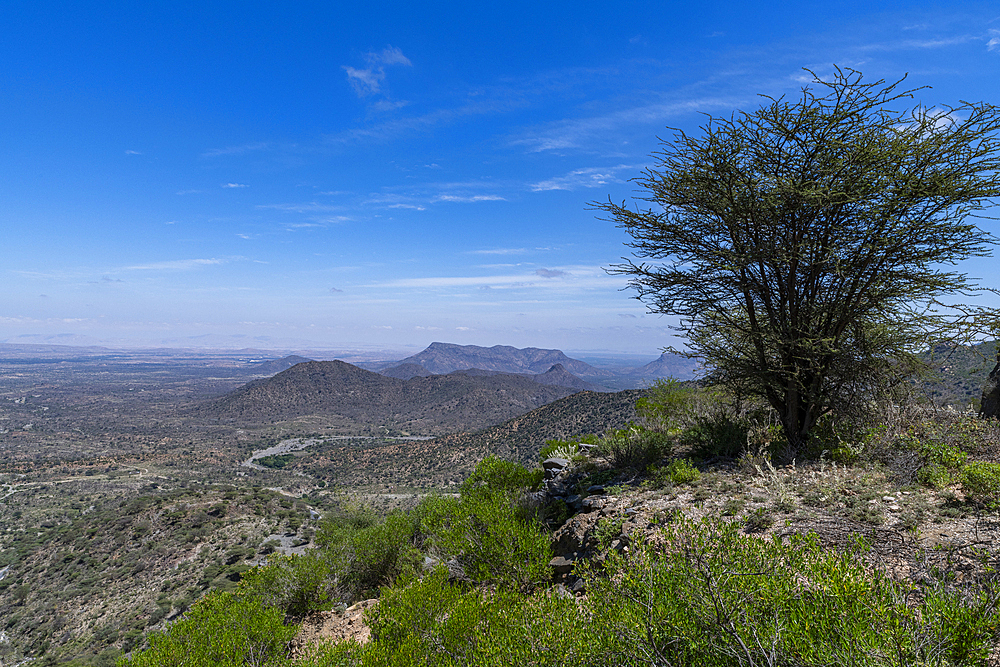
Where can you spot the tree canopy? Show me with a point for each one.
(809, 246)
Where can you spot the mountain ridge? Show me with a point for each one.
(360, 398)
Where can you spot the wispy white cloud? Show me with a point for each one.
(471, 198)
(574, 278)
(188, 192)
(499, 251)
(586, 132)
(131, 152)
(234, 185)
(303, 208)
(368, 81)
(550, 273)
(912, 44)
(994, 42)
(317, 223)
(591, 177)
(175, 264)
(237, 150)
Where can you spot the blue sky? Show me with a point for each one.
(387, 175)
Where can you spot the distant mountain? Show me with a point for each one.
(350, 396)
(277, 365)
(443, 358)
(668, 365)
(406, 371)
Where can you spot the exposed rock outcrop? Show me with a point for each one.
(990, 405)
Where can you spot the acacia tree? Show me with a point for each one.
(808, 247)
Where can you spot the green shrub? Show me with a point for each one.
(492, 540)
(220, 630)
(717, 436)
(496, 474)
(678, 471)
(706, 594)
(433, 622)
(634, 447)
(981, 480)
(565, 449)
(935, 475)
(376, 556)
(294, 584)
(667, 404)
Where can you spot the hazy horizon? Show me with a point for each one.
(390, 175)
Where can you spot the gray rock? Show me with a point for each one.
(554, 466)
(591, 504)
(561, 591)
(595, 490)
(561, 565)
(990, 404)
(579, 586)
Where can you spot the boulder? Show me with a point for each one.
(561, 565)
(554, 466)
(990, 405)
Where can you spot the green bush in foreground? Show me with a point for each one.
(705, 595)
(981, 480)
(220, 630)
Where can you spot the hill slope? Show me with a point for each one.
(351, 395)
(520, 438)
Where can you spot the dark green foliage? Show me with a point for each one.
(221, 630)
(666, 405)
(678, 471)
(715, 436)
(634, 447)
(496, 474)
(710, 596)
(294, 585)
(981, 481)
(277, 461)
(488, 537)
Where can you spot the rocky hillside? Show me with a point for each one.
(338, 390)
(520, 438)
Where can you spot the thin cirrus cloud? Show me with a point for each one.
(175, 264)
(237, 150)
(499, 251)
(582, 277)
(591, 177)
(369, 80)
(308, 207)
(234, 185)
(994, 43)
(586, 132)
(468, 199)
(550, 273)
